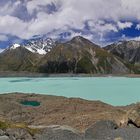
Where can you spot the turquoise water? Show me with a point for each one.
(113, 90)
(30, 103)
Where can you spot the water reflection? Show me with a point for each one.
(20, 80)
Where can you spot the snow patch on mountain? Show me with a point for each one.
(14, 46)
(41, 46)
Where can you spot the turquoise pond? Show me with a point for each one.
(112, 90)
(30, 103)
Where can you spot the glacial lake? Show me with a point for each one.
(112, 90)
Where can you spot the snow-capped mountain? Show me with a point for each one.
(14, 46)
(40, 46)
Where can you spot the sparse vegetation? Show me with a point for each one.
(85, 66)
(6, 124)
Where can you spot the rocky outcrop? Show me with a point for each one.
(108, 130)
(59, 133)
(134, 116)
(100, 130)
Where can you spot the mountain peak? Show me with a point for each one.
(81, 42)
(14, 46)
(78, 39)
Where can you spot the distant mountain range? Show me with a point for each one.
(78, 55)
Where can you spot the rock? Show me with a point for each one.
(100, 129)
(18, 133)
(4, 138)
(134, 116)
(119, 138)
(2, 132)
(59, 133)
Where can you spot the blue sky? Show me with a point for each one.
(101, 21)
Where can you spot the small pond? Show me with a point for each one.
(30, 103)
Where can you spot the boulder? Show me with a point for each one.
(2, 132)
(134, 116)
(4, 138)
(59, 133)
(119, 138)
(18, 134)
(100, 129)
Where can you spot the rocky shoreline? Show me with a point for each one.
(30, 74)
(44, 117)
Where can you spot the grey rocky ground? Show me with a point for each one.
(102, 130)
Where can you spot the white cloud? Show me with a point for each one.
(35, 4)
(123, 25)
(135, 38)
(13, 26)
(138, 27)
(101, 26)
(70, 14)
(3, 38)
